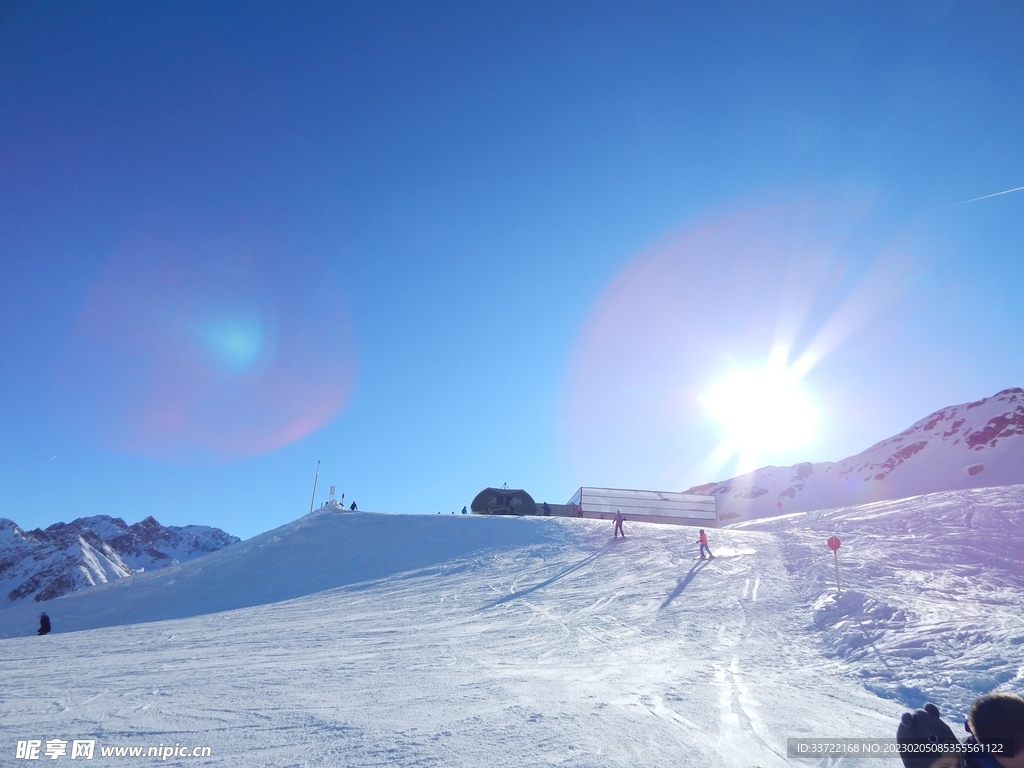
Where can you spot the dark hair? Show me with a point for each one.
(998, 717)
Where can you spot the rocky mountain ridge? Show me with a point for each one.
(972, 445)
(42, 564)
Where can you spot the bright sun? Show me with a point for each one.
(761, 410)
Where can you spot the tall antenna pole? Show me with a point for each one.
(314, 486)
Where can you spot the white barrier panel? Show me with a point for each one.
(663, 504)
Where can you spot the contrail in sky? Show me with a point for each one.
(994, 194)
(50, 459)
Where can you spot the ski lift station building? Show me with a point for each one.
(601, 503)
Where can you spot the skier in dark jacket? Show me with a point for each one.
(618, 524)
(354, 508)
(44, 624)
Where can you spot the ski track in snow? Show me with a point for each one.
(547, 644)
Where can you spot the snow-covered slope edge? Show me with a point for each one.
(322, 550)
(932, 603)
(973, 445)
(40, 565)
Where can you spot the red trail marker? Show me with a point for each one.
(834, 544)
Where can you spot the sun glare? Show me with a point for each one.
(761, 411)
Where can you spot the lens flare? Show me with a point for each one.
(204, 350)
(681, 373)
(233, 341)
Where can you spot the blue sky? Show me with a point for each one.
(238, 238)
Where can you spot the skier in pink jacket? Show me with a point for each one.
(703, 541)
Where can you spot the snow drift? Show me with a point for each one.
(932, 607)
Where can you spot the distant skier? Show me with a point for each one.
(547, 509)
(618, 524)
(463, 510)
(703, 541)
(512, 505)
(353, 508)
(44, 624)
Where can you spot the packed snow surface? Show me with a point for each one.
(491, 641)
(932, 602)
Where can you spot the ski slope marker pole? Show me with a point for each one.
(317, 477)
(834, 543)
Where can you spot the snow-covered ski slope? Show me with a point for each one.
(320, 551)
(484, 641)
(932, 607)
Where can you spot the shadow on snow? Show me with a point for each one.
(683, 582)
(588, 559)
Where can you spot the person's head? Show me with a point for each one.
(702, 530)
(924, 727)
(999, 717)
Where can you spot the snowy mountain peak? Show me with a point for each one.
(65, 557)
(972, 445)
(1000, 416)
